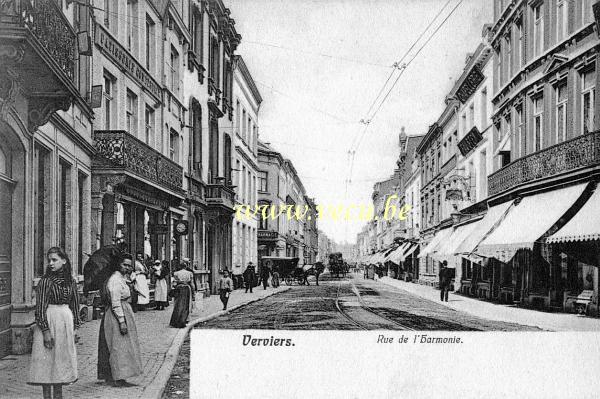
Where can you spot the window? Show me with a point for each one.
(499, 67)
(508, 54)
(213, 153)
(588, 95)
(237, 115)
(263, 181)
(41, 203)
(538, 123)
(110, 14)
(149, 118)
(64, 203)
(174, 146)
(586, 11)
(108, 100)
(538, 29)
(562, 18)
(227, 158)
(132, 26)
(561, 113)
(244, 125)
(484, 100)
(214, 61)
(132, 113)
(244, 182)
(197, 34)
(482, 176)
(471, 116)
(519, 133)
(150, 41)
(81, 189)
(519, 45)
(197, 135)
(173, 72)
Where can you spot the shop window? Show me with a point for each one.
(64, 204)
(81, 217)
(41, 207)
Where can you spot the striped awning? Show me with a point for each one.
(438, 238)
(527, 222)
(584, 226)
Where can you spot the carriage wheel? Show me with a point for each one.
(300, 280)
(289, 281)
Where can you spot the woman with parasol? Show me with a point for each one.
(118, 346)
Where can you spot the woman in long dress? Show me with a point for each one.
(118, 346)
(160, 294)
(140, 282)
(53, 355)
(183, 294)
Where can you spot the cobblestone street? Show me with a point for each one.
(155, 336)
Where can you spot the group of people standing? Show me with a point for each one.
(54, 355)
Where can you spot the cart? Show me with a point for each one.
(286, 267)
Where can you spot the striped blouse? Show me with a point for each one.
(54, 290)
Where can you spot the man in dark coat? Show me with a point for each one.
(444, 281)
(249, 277)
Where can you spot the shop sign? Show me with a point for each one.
(126, 61)
(158, 228)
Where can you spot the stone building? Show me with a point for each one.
(45, 153)
(247, 100)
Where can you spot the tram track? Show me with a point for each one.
(343, 313)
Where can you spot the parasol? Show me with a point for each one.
(98, 267)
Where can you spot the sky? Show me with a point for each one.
(320, 64)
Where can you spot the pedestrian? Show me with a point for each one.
(53, 354)
(275, 279)
(225, 288)
(184, 297)
(318, 270)
(444, 281)
(140, 282)
(265, 272)
(188, 266)
(118, 345)
(161, 289)
(249, 277)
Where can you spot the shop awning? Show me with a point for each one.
(448, 247)
(396, 255)
(438, 238)
(482, 227)
(584, 226)
(527, 222)
(411, 249)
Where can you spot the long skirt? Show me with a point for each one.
(59, 364)
(182, 306)
(141, 286)
(118, 355)
(160, 293)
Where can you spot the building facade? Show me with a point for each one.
(247, 176)
(45, 153)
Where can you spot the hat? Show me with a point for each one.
(157, 262)
(186, 259)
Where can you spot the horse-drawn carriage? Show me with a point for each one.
(286, 267)
(337, 265)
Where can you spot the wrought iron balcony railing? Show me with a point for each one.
(48, 25)
(580, 152)
(119, 149)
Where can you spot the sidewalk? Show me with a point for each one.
(500, 312)
(159, 344)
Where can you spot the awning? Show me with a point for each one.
(439, 237)
(449, 247)
(396, 255)
(527, 222)
(411, 249)
(584, 226)
(482, 227)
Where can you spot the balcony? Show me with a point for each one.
(577, 153)
(266, 235)
(39, 50)
(220, 195)
(119, 150)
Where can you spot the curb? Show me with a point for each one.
(159, 383)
